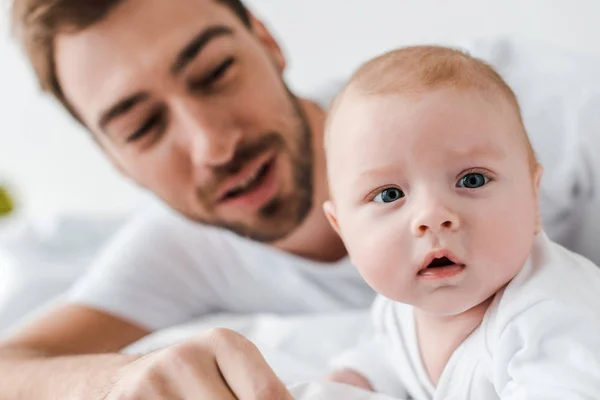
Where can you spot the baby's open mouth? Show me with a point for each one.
(440, 262)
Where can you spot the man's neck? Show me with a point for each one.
(314, 238)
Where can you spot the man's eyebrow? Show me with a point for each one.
(121, 107)
(195, 46)
(185, 56)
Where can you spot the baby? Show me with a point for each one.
(434, 191)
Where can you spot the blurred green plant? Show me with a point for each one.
(6, 202)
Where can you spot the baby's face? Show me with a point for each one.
(433, 195)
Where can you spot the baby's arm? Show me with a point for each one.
(369, 365)
(548, 352)
(350, 377)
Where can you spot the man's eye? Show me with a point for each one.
(472, 181)
(388, 195)
(153, 122)
(215, 74)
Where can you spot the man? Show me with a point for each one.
(188, 100)
(185, 97)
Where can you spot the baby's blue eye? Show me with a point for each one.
(472, 181)
(388, 195)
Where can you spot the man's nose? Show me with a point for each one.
(211, 135)
(434, 216)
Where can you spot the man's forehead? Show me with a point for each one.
(97, 64)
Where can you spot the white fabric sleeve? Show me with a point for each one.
(371, 357)
(146, 277)
(549, 352)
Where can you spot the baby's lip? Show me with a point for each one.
(438, 254)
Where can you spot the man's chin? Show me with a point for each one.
(268, 230)
(265, 232)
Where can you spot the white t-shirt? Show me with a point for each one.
(162, 270)
(539, 339)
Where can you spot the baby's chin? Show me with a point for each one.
(452, 307)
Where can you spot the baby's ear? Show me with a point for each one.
(537, 179)
(329, 209)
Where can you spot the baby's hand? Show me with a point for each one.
(350, 377)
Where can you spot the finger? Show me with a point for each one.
(154, 385)
(158, 386)
(145, 391)
(206, 383)
(245, 369)
(195, 375)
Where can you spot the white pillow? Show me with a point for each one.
(41, 258)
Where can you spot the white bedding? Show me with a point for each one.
(40, 258)
(318, 390)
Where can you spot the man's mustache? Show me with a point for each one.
(243, 154)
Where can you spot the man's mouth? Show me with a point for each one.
(253, 186)
(248, 183)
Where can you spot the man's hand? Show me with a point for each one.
(71, 353)
(219, 364)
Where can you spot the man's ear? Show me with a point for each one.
(537, 179)
(329, 209)
(268, 41)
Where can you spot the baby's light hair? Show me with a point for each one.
(419, 69)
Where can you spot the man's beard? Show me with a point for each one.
(282, 214)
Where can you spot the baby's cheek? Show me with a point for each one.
(378, 257)
(491, 234)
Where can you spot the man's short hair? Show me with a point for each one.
(38, 22)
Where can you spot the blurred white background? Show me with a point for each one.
(55, 167)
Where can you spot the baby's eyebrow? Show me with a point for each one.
(479, 151)
(367, 177)
(371, 172)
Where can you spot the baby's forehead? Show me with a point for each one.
(366, 127)
(355, 112)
